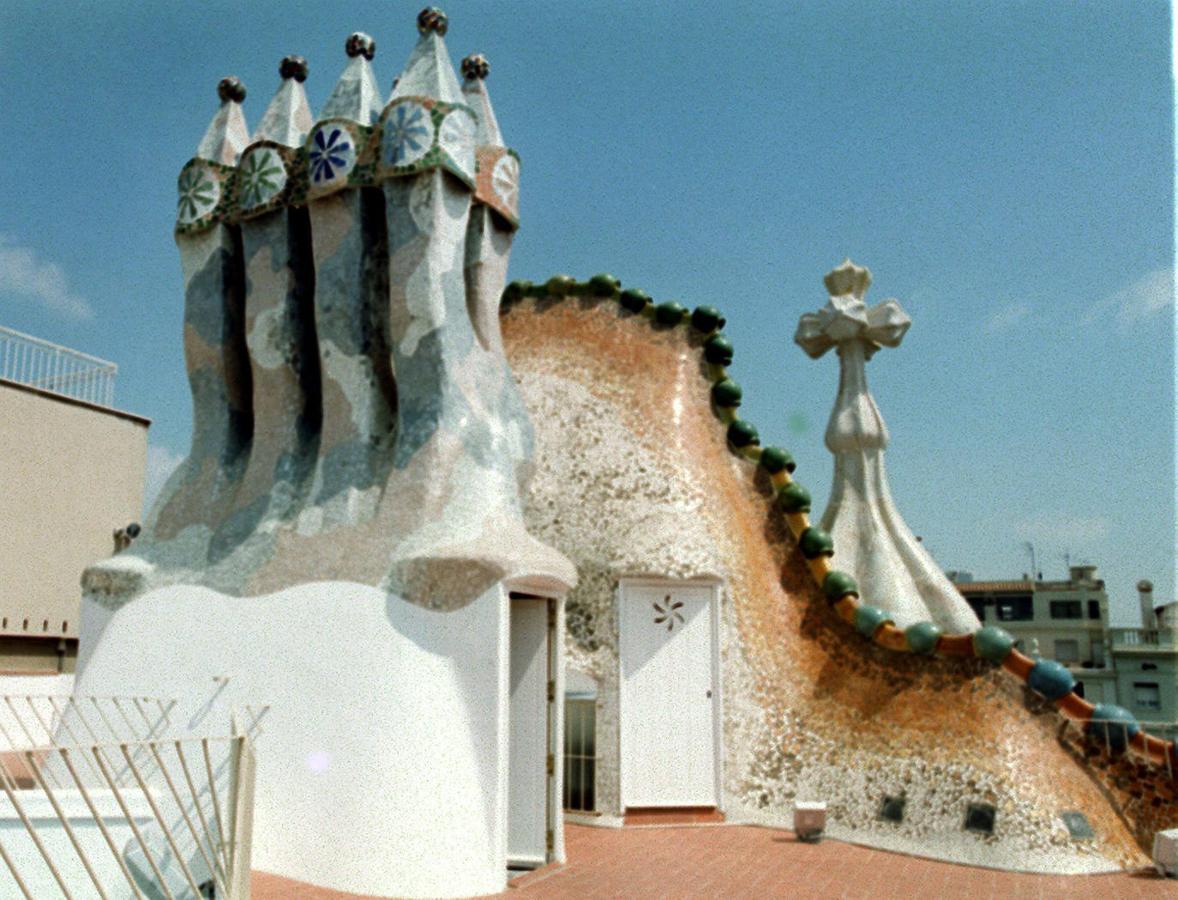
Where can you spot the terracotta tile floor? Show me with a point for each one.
(744, 862)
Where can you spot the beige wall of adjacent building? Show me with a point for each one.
(70, 474)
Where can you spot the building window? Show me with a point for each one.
(1067, 651)
(978, 606)
(1015, 609)
(1094, 610)
(1147, 695)
(1098, 654)
(1067, 609)
(580, 754)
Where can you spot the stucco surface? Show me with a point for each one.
(634, 478)
(71, 474)
(385, 734)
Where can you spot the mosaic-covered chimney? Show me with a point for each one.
(354, 414)
(871, 540)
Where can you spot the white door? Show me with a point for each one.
(669, 700)
(527, 784)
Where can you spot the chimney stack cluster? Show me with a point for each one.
(342, 284)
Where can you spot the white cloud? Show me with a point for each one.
(1062, 529)
(1141, 299)
(22, 273)
(161, 463)
(1007, 317)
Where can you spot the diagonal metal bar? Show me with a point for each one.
(163, 824)
(36, 838)
(20, 882)
(98, 708)
(40, 721)
(65, 758)
(122, 712)
(187, 819)
(69, 831)
(74, 738)
(213, 793)
(200, 813)
(33, 742)
(131, 822)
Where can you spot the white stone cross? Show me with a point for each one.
(871, 540)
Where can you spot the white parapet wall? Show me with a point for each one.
(386, 729)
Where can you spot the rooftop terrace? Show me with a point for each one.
(734, 861)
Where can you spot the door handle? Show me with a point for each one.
(709, 695)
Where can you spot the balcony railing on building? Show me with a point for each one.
(31, 361)
(1144, 638)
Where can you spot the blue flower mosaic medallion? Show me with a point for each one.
(262, 176)
(505, 181)
(332, 154)
(408, 135)
(199, 190)
(456, 137)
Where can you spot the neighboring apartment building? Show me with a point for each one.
(72, 468)
(1067, 621)
(1146, 662)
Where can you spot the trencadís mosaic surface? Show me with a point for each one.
(637, 424)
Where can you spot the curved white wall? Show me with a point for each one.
(378, 762)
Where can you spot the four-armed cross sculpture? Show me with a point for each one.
(871, 540)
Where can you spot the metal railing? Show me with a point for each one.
(50, 367)
(100, 798)
(38, 720)
(1115, 736)
(179, 829)
(1144, 638)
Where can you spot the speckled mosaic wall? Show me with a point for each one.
(625, 434)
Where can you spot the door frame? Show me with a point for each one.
(553, 718)
(717, 676)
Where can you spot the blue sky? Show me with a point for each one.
(1005, 169)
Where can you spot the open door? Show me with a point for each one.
(531, 764)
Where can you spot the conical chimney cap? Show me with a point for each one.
(288, 117)
(429, 72)
(475, 69)
(356, 96)
(227, 135)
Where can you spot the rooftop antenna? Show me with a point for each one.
(1031, 549)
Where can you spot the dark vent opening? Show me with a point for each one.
(979, 818)
(892, 809)
(1078, 826)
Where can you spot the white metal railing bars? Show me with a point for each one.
(50, 367)
(177, 830)
(1115, 735)
(37, 720)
